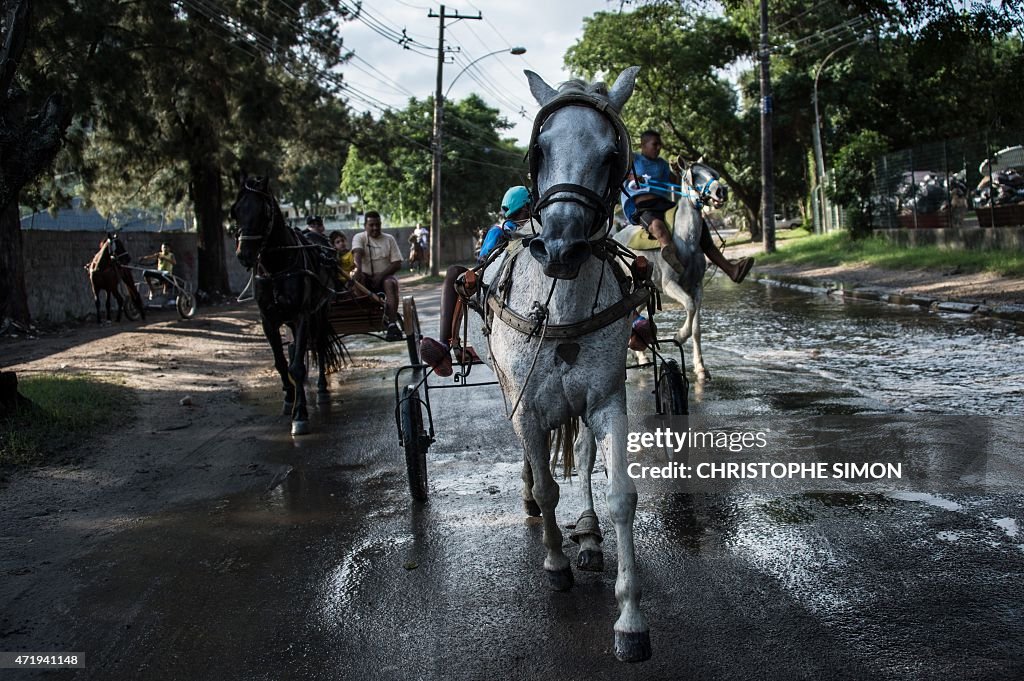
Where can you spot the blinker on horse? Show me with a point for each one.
(293, 285)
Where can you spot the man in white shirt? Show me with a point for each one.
(377, 258)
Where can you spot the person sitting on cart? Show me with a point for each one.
(165, 262)
(346, 259)
(516, 209)
(377, 258)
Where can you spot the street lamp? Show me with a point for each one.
(819, 157)
(435, 184)
(514, 50)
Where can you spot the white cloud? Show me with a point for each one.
(546, 28)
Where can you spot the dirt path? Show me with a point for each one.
(160, 454)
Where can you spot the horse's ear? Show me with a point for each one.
(542, 92)
(623, 88)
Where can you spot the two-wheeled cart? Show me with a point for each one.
(412, 400)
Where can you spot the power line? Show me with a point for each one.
(399, 37)
(246, 39)
(816, 39)
(804, 13)
(501, 35)
(479, 79)
(398, 87)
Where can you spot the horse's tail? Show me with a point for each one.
(560, 446)
(331, 344)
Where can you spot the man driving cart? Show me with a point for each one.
(165, 261)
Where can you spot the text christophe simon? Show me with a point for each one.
(735, 442)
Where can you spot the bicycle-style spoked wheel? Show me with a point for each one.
(186, 304)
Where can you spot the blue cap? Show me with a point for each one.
(514, 199)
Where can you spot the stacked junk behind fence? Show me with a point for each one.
(967, 182)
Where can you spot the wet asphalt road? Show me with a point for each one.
(326, 570)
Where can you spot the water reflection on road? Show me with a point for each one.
(792, 350)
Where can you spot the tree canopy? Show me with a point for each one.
(176, 100)
(392, 175)
(905, 71)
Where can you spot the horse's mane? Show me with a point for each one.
(97, 259)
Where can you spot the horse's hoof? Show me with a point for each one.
(560, 580)
(287, 409)
(632, 646)
(531, 507)
(591, 561)
(300, 427)
(323, 397)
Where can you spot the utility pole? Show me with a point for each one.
(767, 161)
(435, 175)
(821, 199)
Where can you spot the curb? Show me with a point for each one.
(1010, 312)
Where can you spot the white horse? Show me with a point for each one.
(557, 325)
(700, 187)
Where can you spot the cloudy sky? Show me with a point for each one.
(383, 74)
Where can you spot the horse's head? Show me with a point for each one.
(704, 180)
(579, 155)
(253, 211)
(115, 249)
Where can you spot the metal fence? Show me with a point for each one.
(971, 181)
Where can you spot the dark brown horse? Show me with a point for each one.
(293, 284)
(107, 274)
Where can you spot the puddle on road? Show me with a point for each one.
(899, 358)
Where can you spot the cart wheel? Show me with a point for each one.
(413, 334)
(416, 442)
(131, 308)
(673, 389)
(186, 304)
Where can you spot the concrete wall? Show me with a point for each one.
(977, 239)
(55, 276)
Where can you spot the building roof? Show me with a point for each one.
(80, 218)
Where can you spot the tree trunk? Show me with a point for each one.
(13, 297)
(29, 139)
(207, 188)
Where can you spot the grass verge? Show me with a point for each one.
(66, 409)
(838, 248)
(780, 235)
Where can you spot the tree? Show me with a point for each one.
(175, 101)
(30, 136)
(680, 89)
(393, 174)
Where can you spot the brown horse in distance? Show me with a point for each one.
(105, 272)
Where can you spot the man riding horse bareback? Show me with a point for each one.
(648, 196)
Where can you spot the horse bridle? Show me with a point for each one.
(268, 207)
(568, 192)
(703, 192)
